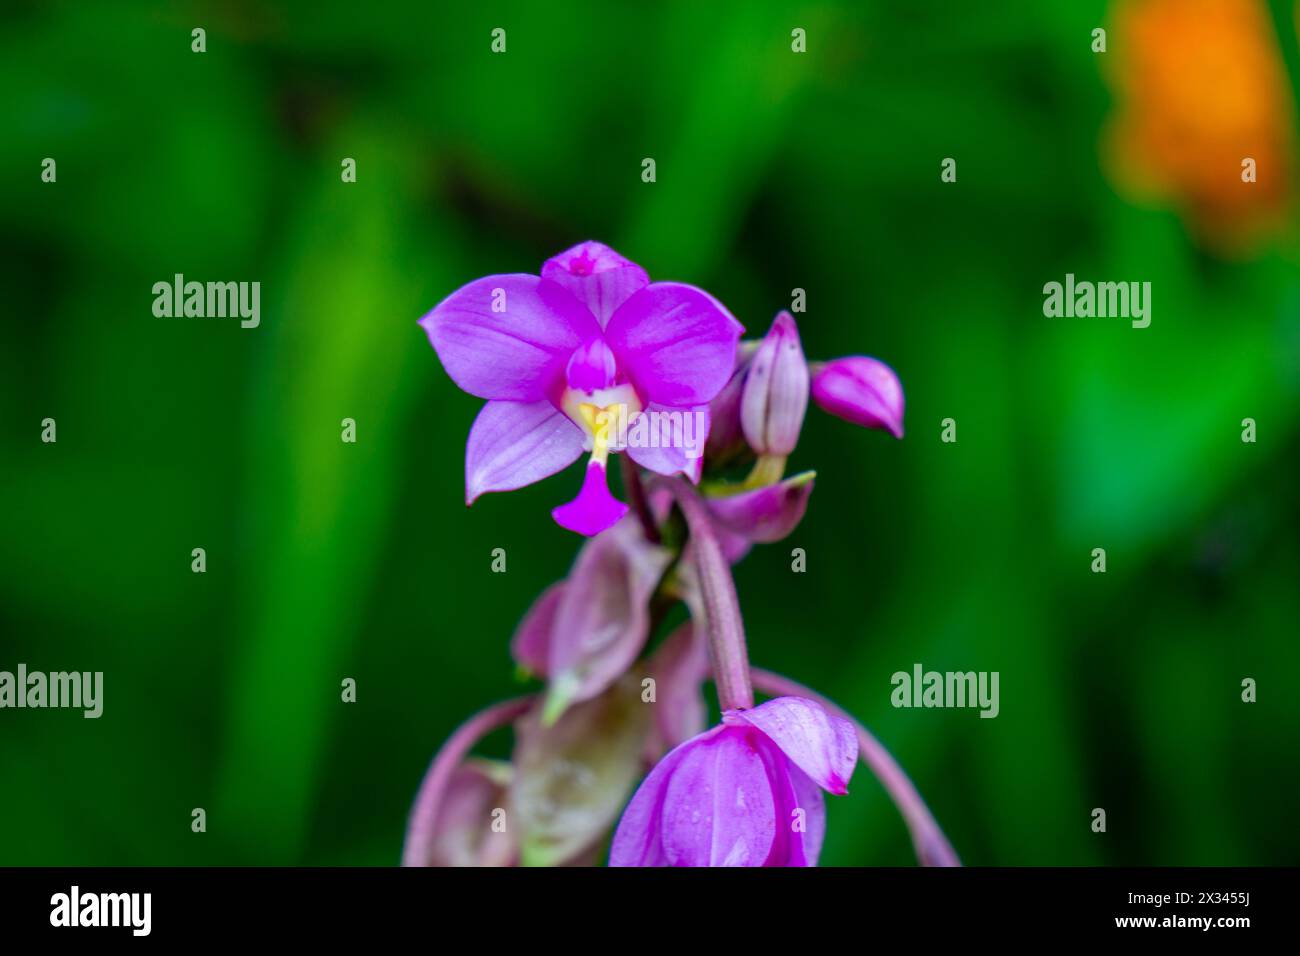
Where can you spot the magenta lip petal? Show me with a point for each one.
(508, 336)
(595, 509)
(861, 390)
(675, 342)
(823, 746)
(513, 444)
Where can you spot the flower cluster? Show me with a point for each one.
(590, 356)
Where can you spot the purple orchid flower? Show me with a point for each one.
(746, 793)
(568, 360)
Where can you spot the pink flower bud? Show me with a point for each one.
(861, 390)
(776, 390)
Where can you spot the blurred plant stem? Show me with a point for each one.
(722, 621)
(636, 496)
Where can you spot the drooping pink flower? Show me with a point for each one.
(563, 357)
(746, 793)
(861, 390)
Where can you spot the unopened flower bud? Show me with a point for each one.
(776, 391)
(861, 390)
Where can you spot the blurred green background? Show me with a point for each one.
(775, 171)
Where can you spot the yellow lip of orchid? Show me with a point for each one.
(598, 421)
(611, 409)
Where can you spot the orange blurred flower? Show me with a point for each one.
(1200, 86)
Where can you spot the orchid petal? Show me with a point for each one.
(675, 342)
(823, 746)
(669, 441)
(597, 276)
(809, 799)
(787, 844)
(734, 546)
(463, 833)
(718, 808)
(724, 410)
(679, 667)
(637, 841)
(800, 811)
(531, 644)
(765, 514)
(508, 337)
(513, 444)
(595, 509)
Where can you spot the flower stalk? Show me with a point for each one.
(722, 622)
